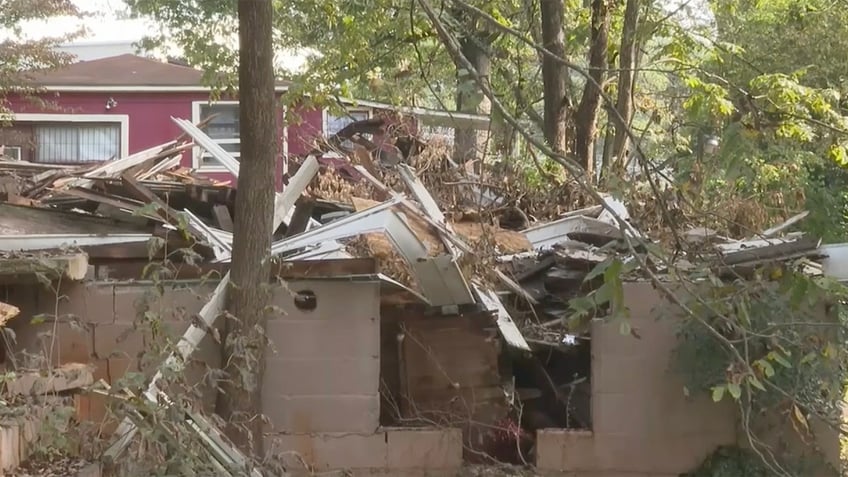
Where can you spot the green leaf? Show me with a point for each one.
(756, 383)
(735, 390)
(718, 393)
(767, 368)
(38, 319)
(613, 271)
(581, 305)
(598, 270)
(776, 357)
(603, 294)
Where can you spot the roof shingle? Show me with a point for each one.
(122, 70)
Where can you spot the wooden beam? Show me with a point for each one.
(303, 209)
(19, 269)
(142, 193)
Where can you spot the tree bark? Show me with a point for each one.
(626, 79)
(239, 402)
(554, 75)
(586, 119)
(469, 142)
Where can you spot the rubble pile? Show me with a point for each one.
(461, 246)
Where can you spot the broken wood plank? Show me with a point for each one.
(300, 219)
(64, 378)
(771, 252)
(7, 312)
(222, 217)
(16, 268)
(785, 225)
(142, 193)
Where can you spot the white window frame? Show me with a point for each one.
(7, 149)
(122, 119)
(369, 112)
(197, 152)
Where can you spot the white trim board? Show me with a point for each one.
(123, 119)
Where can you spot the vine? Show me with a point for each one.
(772, 344)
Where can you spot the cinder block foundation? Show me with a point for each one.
(396, 450)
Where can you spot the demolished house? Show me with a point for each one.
(411, 338)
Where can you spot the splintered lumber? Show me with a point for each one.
(65, 378)
(7, 312)
(777, 251)
(16, 269)
(785, 225)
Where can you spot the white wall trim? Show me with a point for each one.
(123, 119)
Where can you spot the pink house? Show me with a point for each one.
(111, 107)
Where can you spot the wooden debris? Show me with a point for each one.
(68, 377)
(18, 268)
(7, 312)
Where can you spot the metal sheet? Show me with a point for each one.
(13, 243)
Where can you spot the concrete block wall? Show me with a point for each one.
(323, 364)
(101, 323)
(643, 423)
(321, 389)
(397, 451)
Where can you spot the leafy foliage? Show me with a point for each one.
(731, 462)
(773, 342)
(20, 52)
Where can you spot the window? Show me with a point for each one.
(438, 133)
(10, 152)
(223, 128)
(337, 123)
(77, 143)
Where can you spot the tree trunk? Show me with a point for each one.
(239, 402)
(469, 142)
(626, 79)
(554, 74)
(586, 119)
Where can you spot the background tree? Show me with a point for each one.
(21, 52)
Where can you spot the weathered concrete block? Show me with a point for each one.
(424, 448)
(330, 451)
(84, 302)
(324, 377)
(299, 339)
(117, 340)
(564, 450)
(313, 414)
(54, 343)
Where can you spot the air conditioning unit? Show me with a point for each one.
(10, 152)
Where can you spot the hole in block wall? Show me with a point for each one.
(552, 386)
(305, 300)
